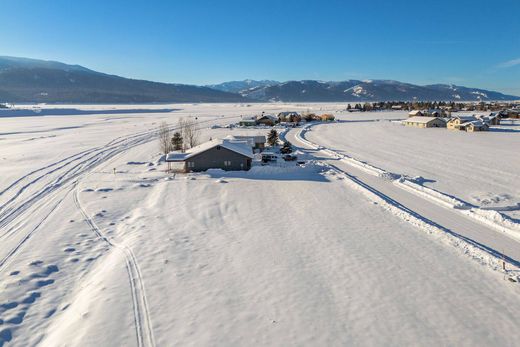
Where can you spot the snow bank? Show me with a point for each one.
(483, 257)
(494, 219)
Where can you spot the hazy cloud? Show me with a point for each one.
(509, 63)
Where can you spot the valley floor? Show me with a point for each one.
(275, 256)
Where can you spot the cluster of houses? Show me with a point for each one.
(232, 153)
(287, 118)
(436, 119)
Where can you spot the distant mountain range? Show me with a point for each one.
(356, 91)
(32, 80)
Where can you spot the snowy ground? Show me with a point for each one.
(479, 168)
(281, 256)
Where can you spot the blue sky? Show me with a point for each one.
(473, 43)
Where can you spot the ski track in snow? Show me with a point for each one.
(60, 178)
(142, 319)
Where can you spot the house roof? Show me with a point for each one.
(418, 119)
(237, 146)
(464, 118)
(415, 112)
(288, 113)
(476, 123)
(267, 116)
(254, 138)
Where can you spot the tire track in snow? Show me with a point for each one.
(143, 323)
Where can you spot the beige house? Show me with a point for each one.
(425, 122)
(456, 122)
(475, 126)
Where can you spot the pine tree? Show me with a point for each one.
(177, 141)
(272, 137)
(286, 148)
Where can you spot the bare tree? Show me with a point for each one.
(165, 144)
(189, 131)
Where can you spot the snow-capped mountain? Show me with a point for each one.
(368, 90)
(239, 86)
(32, 80)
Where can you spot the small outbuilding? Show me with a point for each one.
(247, 122)
(225, 154)
(255, 141)
(425, 122)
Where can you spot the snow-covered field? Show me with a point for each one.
(275, 256)
(480, 168)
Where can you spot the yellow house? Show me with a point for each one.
(425, 122)
(475, 126)
(456, 122)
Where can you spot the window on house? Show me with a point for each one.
(191, 164)
(227, 163)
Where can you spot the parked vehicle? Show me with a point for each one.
(269, 157)
(289, 157)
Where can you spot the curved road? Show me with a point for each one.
(449, 220)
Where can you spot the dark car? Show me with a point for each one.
(289, 157)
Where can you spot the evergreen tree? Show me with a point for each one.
(286, 148)
(177, 141)
(272, 137)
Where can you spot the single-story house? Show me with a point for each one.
(327, 117)
(513, 113)
(435, 113)
(456, 122)
(247, 122)
(255, 141)
(491, 119)
(425, 122)
(266, 119)
(475, 126)
(225, 154)
(289, 117)
(415, 113)
(397, 107)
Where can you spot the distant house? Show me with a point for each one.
(327, 117)
(397, 107)
(247, 121)
(491, 119)
(415, 113)
(425, 122)
(255, 141)
(513, 113)
(289, 117)
(266, 119)
(456, 122)
(435, 113)
(225, 154)
(475, 126)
